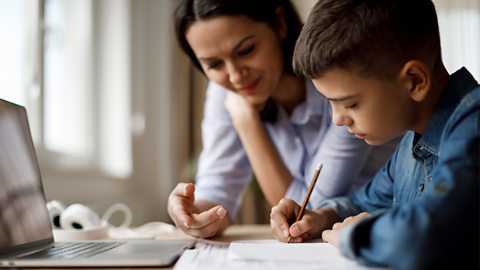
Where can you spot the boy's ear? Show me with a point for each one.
(281, 23)
(417, 78)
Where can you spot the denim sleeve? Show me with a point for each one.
(223, 168)
(439, 229)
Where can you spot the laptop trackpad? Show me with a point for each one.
(149, 247)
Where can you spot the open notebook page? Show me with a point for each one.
(316, 251)
(210, 256)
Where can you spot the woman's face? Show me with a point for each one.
(239, 53)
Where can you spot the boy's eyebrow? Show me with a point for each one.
(342, 98)
(238, 45)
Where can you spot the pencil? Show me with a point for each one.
(307, 197)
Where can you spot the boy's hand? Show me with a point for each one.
(312, 224)
(331, 236)
(190, 219)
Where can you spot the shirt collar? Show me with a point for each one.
(460, 83)
(312, 106)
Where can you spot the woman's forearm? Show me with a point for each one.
(272, 175)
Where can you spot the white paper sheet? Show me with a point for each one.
(279, 251)
(239, 255)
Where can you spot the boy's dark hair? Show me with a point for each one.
(190, 11)
(367, 37)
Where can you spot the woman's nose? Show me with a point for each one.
(236, 73)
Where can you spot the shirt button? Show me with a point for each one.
(421, 187)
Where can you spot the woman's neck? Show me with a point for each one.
(291, 92)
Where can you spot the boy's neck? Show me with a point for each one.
(440, 78)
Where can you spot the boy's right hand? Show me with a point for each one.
(190, 218)
(312, 224)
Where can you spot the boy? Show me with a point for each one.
(379, 64)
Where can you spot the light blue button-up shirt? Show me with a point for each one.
(425, 201)
(303, 140)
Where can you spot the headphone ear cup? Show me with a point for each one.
(80, 217)
(55, 209)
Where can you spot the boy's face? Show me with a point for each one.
(372, 109)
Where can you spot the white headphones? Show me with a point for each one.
(76, 216)
(78, 221)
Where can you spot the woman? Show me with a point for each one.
(259, 117)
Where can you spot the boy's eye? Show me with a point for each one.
(348, 107)
(246, 51)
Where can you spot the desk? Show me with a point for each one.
(234, 232)
(245, 232)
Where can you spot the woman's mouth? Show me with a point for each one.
(249, 89)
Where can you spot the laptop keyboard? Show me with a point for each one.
(75, 250)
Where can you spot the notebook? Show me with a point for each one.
(26, 238)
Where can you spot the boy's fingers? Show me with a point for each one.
(337, 225)
(298, 228)
(283, 211)
(280, 232)
(304, 228)
(326, 235)
(279, 218)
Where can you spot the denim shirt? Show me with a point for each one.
(424, 203)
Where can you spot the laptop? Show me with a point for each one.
(26, 238)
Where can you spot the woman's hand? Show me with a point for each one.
(312, 224)
(241, 111)
(204, 221)
(331, 236)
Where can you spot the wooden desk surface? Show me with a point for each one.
(234, 232)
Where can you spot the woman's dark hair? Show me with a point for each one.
(190, 11)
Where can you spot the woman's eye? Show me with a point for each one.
(246, 51)
(214, 65)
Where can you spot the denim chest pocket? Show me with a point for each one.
(415, 177)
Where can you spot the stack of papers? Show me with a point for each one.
(265, 255)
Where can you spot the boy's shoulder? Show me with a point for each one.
(461, 95)
(469, 103)
(466, 114)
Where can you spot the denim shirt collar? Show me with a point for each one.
(459, 84)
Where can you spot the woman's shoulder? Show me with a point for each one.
(215, 90)
(215, 102)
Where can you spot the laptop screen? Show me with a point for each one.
(24, 217)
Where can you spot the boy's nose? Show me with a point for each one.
(341, 120)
